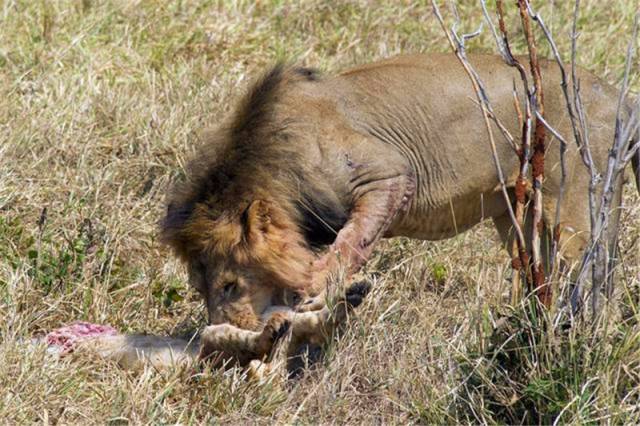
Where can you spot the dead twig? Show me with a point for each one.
(537, 159)
(563, 144)
(457, 44)
(522, 182)
(615, 165)
(521, 263)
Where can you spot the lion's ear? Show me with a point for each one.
(256, 218)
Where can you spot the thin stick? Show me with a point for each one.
(582, 140)
(457, 45)
(614, 167)
(537, 160)
(563, 145)
(521, 263)
(505, 132)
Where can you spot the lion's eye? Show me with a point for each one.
(228, 289)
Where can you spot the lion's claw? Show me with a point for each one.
(282, 330)
(277, 327)
(354, 296)
(356, 293)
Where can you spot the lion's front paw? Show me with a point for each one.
(278, 325)
(353, 297)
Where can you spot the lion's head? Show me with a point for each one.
(242, 262)
(253, 209)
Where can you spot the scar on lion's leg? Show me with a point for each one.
(370, 219)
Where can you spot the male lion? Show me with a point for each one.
(310, 172)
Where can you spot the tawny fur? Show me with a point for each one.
(393, 148)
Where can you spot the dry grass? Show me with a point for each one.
(100, 104)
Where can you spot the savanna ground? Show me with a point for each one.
(101, 103)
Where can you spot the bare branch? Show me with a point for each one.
(501, 47)
(614, 167)
(525, 146)
(457, 45)
(596, 255)
(553, 131)
(537, 160)
(505, 132)
(585, 153)
(563, 144)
